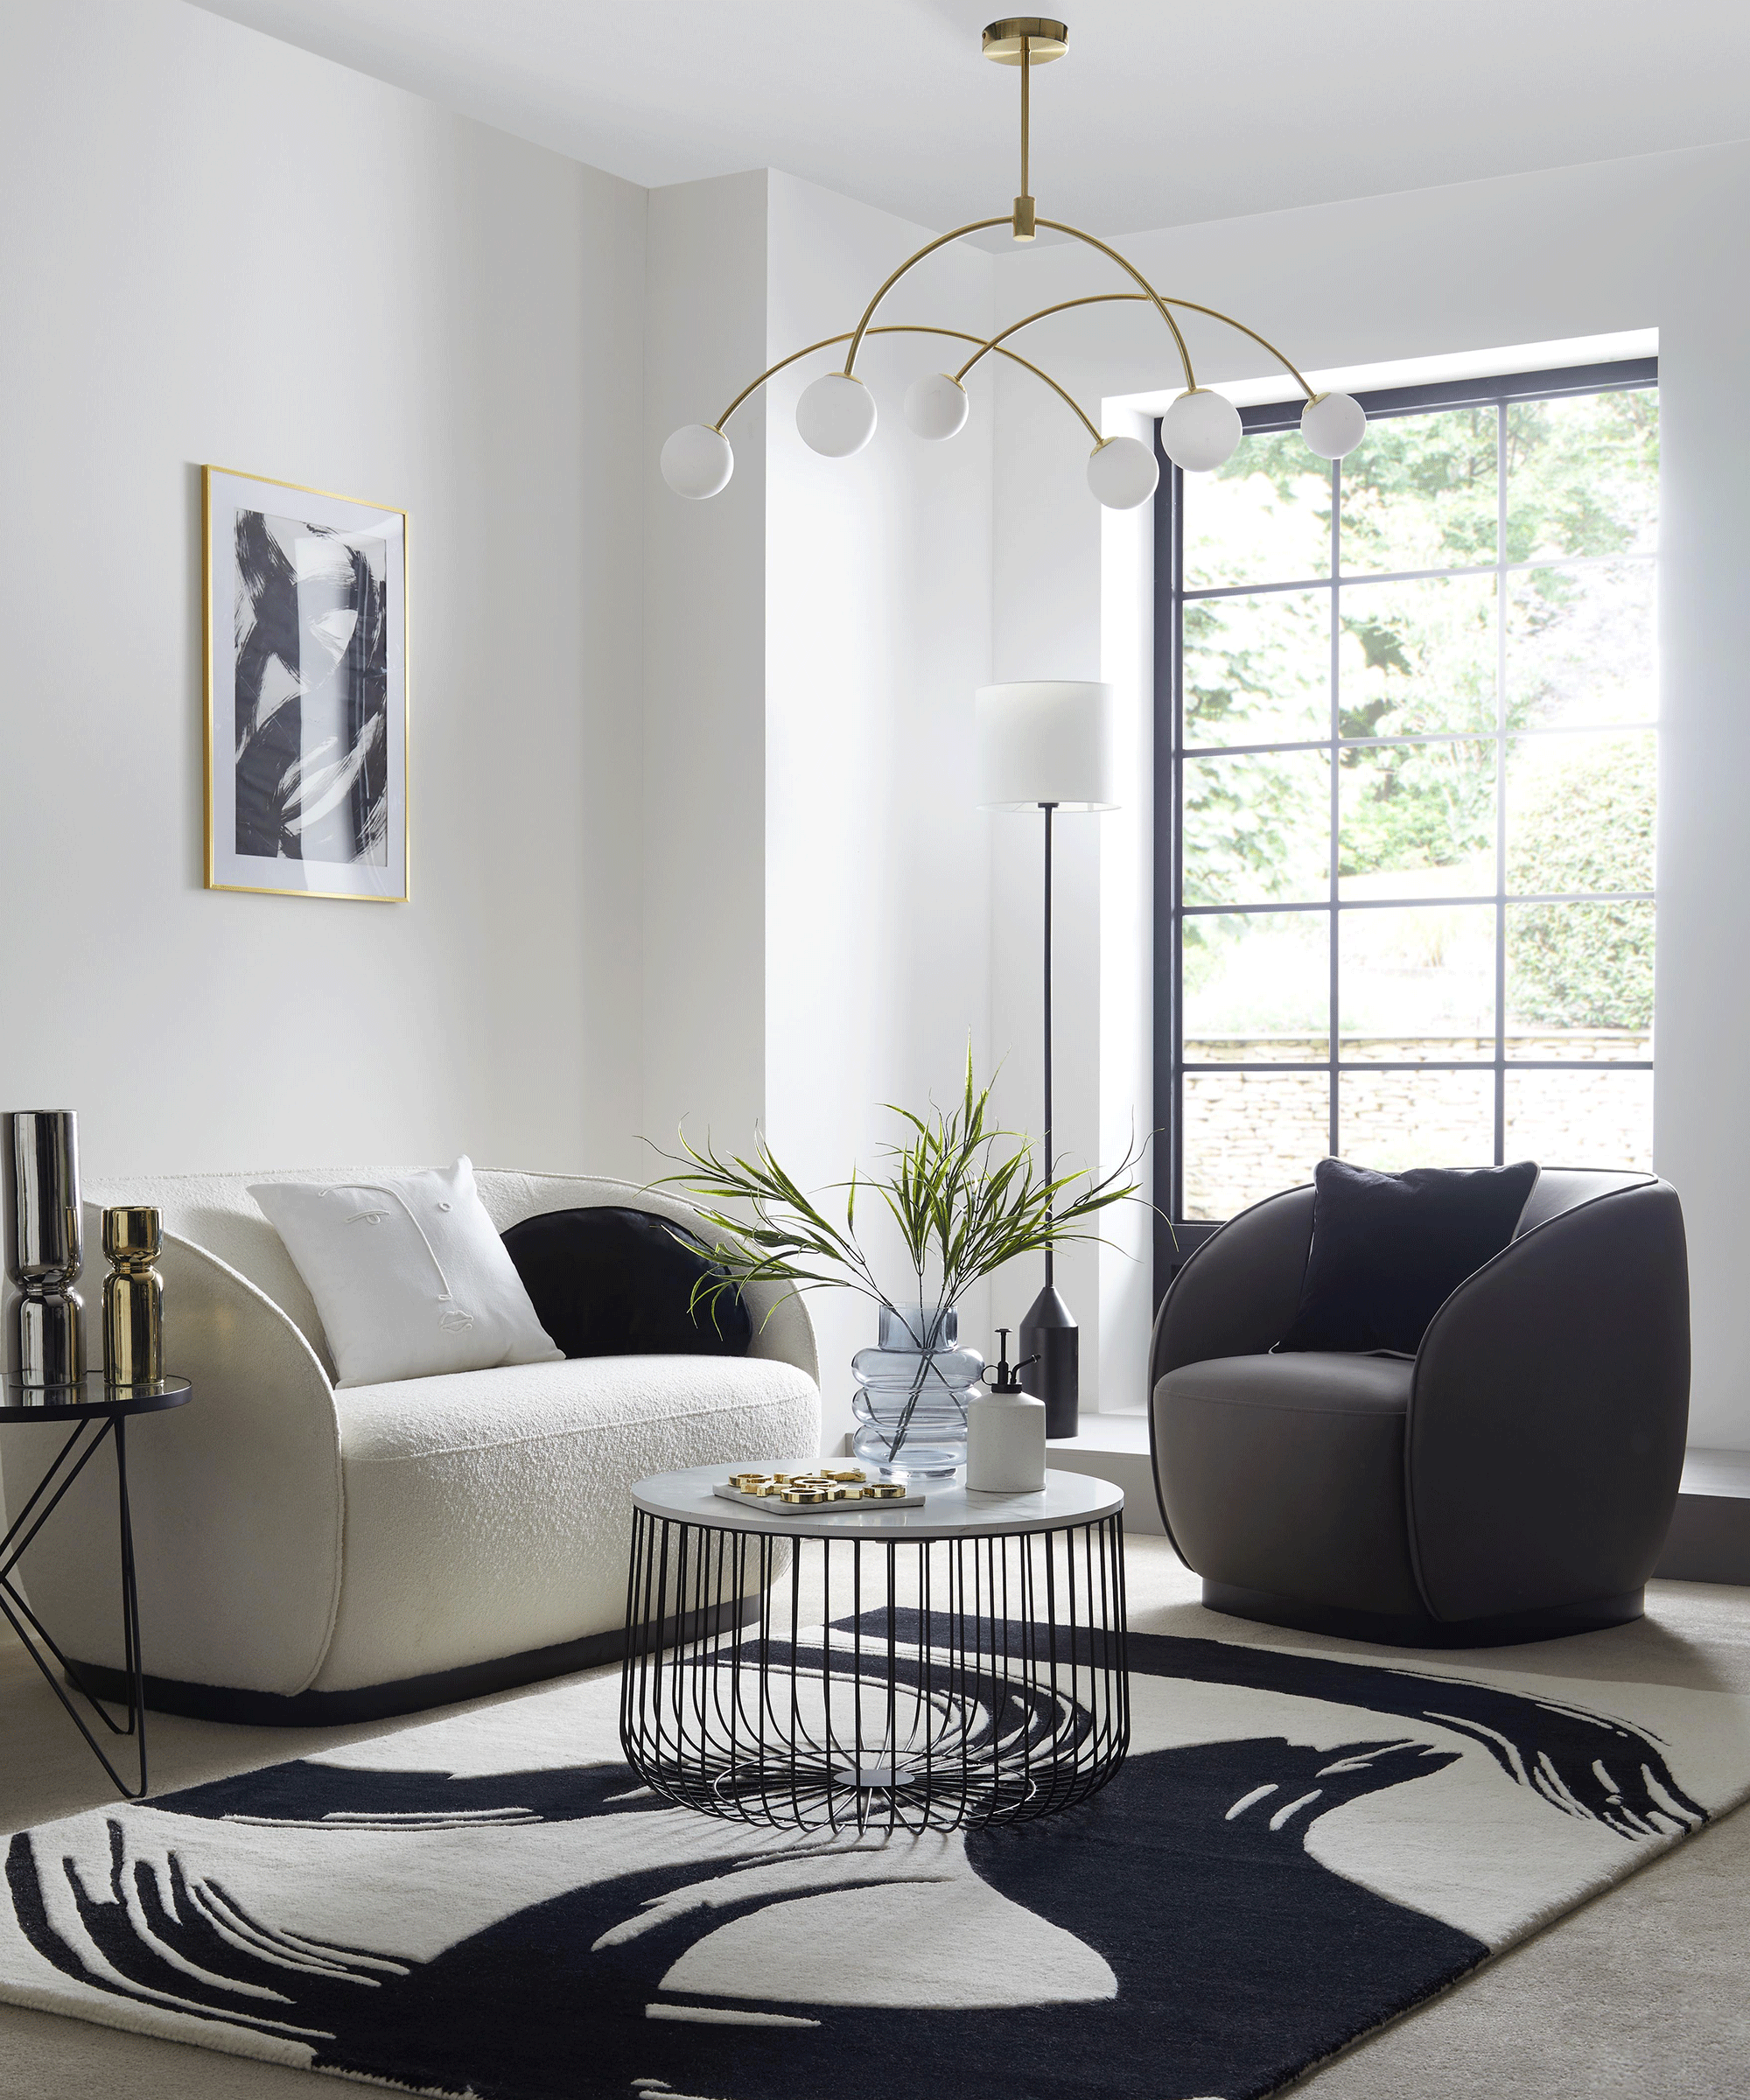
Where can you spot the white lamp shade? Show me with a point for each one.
(1334, 424)
(835, 415)
(936, 406)
(1047, 740)
(1201, 431)
(1122, 473)
(696, 462)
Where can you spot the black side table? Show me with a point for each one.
(96, 1411)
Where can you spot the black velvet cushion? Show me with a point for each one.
(608, 1281)
(1389, 1249)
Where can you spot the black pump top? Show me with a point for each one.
(1008, 1378)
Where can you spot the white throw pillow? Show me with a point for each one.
(408, 1274)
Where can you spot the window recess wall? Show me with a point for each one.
(1406, 717)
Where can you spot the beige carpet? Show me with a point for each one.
(1645, 1991)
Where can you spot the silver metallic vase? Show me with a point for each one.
(48, 1249)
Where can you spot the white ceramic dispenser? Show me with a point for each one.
(1005, 1433)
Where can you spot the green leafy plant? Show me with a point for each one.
(962, 1191)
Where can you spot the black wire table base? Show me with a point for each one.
(82, 1446)
(871, 1683)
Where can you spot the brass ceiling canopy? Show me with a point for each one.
(1025, 39)
(835, 414)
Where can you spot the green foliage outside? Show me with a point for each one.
(1420, 659)
(1587, 826)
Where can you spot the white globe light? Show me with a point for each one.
(1332, 425)
(936, 405)
(1122, 473)
(697, 461)
(836, 415)
(1200, 431)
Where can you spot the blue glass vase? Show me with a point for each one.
(916, 1353)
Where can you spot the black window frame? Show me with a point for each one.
(1176, 1238)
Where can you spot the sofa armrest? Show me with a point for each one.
(1238, 1294)
(783, 1330)
(236, 1499)
(1548, 1411)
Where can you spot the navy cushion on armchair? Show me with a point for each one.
(1389, 1249)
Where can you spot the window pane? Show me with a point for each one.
(1415, 658)
(1257, 986)
(1264, 518)
(1579, 814)
(1417, 983)
(1582, 646)
(1249, 1134)
(1257, 829)
(1579, 981)
(1584, 1118)
(1583, 475)
(1258, 670)
(1394, 1120)
(1417, 820)
(1419, 493)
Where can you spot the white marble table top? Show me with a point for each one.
(951, 1510)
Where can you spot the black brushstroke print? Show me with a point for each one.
(1239, 1959)
(311, 700)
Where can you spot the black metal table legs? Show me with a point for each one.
(38, 1643)
(876, 1684)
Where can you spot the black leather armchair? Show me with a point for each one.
(1515, 1482)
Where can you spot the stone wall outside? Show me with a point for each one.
(1248, 1134)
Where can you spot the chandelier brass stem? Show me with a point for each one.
(1023, 204)
(960, 335)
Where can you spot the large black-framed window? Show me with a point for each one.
(1406, 763)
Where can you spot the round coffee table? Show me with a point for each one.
(99, 1412)
(958, 1664)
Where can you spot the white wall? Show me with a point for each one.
(749, 884)
(216, 248)
(1633, 244)
(877, 595)
(817, 914)
(704, 809)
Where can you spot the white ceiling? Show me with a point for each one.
(1162, 114)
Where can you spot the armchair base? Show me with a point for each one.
(1417, 1630)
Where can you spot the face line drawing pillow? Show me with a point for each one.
(408, 1276)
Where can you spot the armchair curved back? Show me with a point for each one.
(1544, 1439)
(1239, 1292)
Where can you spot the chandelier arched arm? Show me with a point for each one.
(917, 328)
(1058, 227)
(1097, 298)
(978, 225)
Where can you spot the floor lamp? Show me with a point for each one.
(1047, 744)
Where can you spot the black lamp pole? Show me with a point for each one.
(1048, 1332)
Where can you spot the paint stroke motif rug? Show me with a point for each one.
(1299, 1847)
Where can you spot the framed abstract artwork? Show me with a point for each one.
(306, 691)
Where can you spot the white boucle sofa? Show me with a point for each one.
(307, 1554)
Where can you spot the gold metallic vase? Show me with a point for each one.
(133, 1297)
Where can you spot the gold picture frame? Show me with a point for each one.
(305, 613)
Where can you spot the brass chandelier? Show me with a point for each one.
(835, 413)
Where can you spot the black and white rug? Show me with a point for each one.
(1299, 1848)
